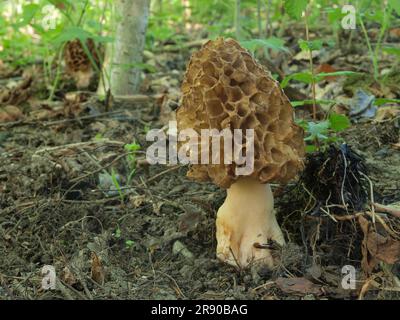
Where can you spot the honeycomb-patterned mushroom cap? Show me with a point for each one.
(78, 63)
(224, 87)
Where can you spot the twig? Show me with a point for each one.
(236, 261)
(263, 286)
(79, 144)
(312, 71)
(63, 288)
(383, 223)
(371, 189)
(328, 214)
(163, 172)
(135, 98)
(348, 217)
(178, 289)
(104, 114)
(391, 210)
(344, 178)
(100, 169)
(367, 284)
(51, 123)
(179, 47)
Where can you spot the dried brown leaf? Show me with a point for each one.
(68, 277)
(10, 113)
(300, 286)
(97, 270)
(376, 247)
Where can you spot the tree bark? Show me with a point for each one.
(132, 17)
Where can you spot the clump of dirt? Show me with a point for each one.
(336, 177)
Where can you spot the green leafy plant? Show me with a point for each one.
(117, 185)
(265, 44)
(131, 159)
(27, 23)
(381, 15)
(118, 234)
(129, 244)
(320, 134)
(295, 8)
(308, 77)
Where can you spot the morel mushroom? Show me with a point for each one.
(77, 62)
(225, 88)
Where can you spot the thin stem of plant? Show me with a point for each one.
(371, 52)
(259, 18)
(237, 20)
(82, 13)
(311, 70)
(268, 28)
(58, 72)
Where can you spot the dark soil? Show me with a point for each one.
(58, 208)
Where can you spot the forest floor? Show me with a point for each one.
(59, 206)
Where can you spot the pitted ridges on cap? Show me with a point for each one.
(224, 87)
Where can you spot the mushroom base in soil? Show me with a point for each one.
(246, 222)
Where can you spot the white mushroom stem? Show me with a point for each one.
(245, 219)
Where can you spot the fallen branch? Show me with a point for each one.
(57, 122)
(180, 47)
(80, 144)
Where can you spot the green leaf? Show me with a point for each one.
(129, 243)
(334, 14)
(395, 4)
(117, 233)
(116, 183)
(311, 148)
(305, 77)
(72, 33)
(322, 75)
(132, 147)
(28, 13)
(392, 50)
(310, 101)
(310, 45)
(295, 8)
(372, 15)
(380, 101)
(338, 122)
(270, 43)
(317, 130)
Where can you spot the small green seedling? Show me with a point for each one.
(131, 159)
(129, 244)
(117, 233)
(116, 184)
(320, 134)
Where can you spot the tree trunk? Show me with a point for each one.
(132, 16)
